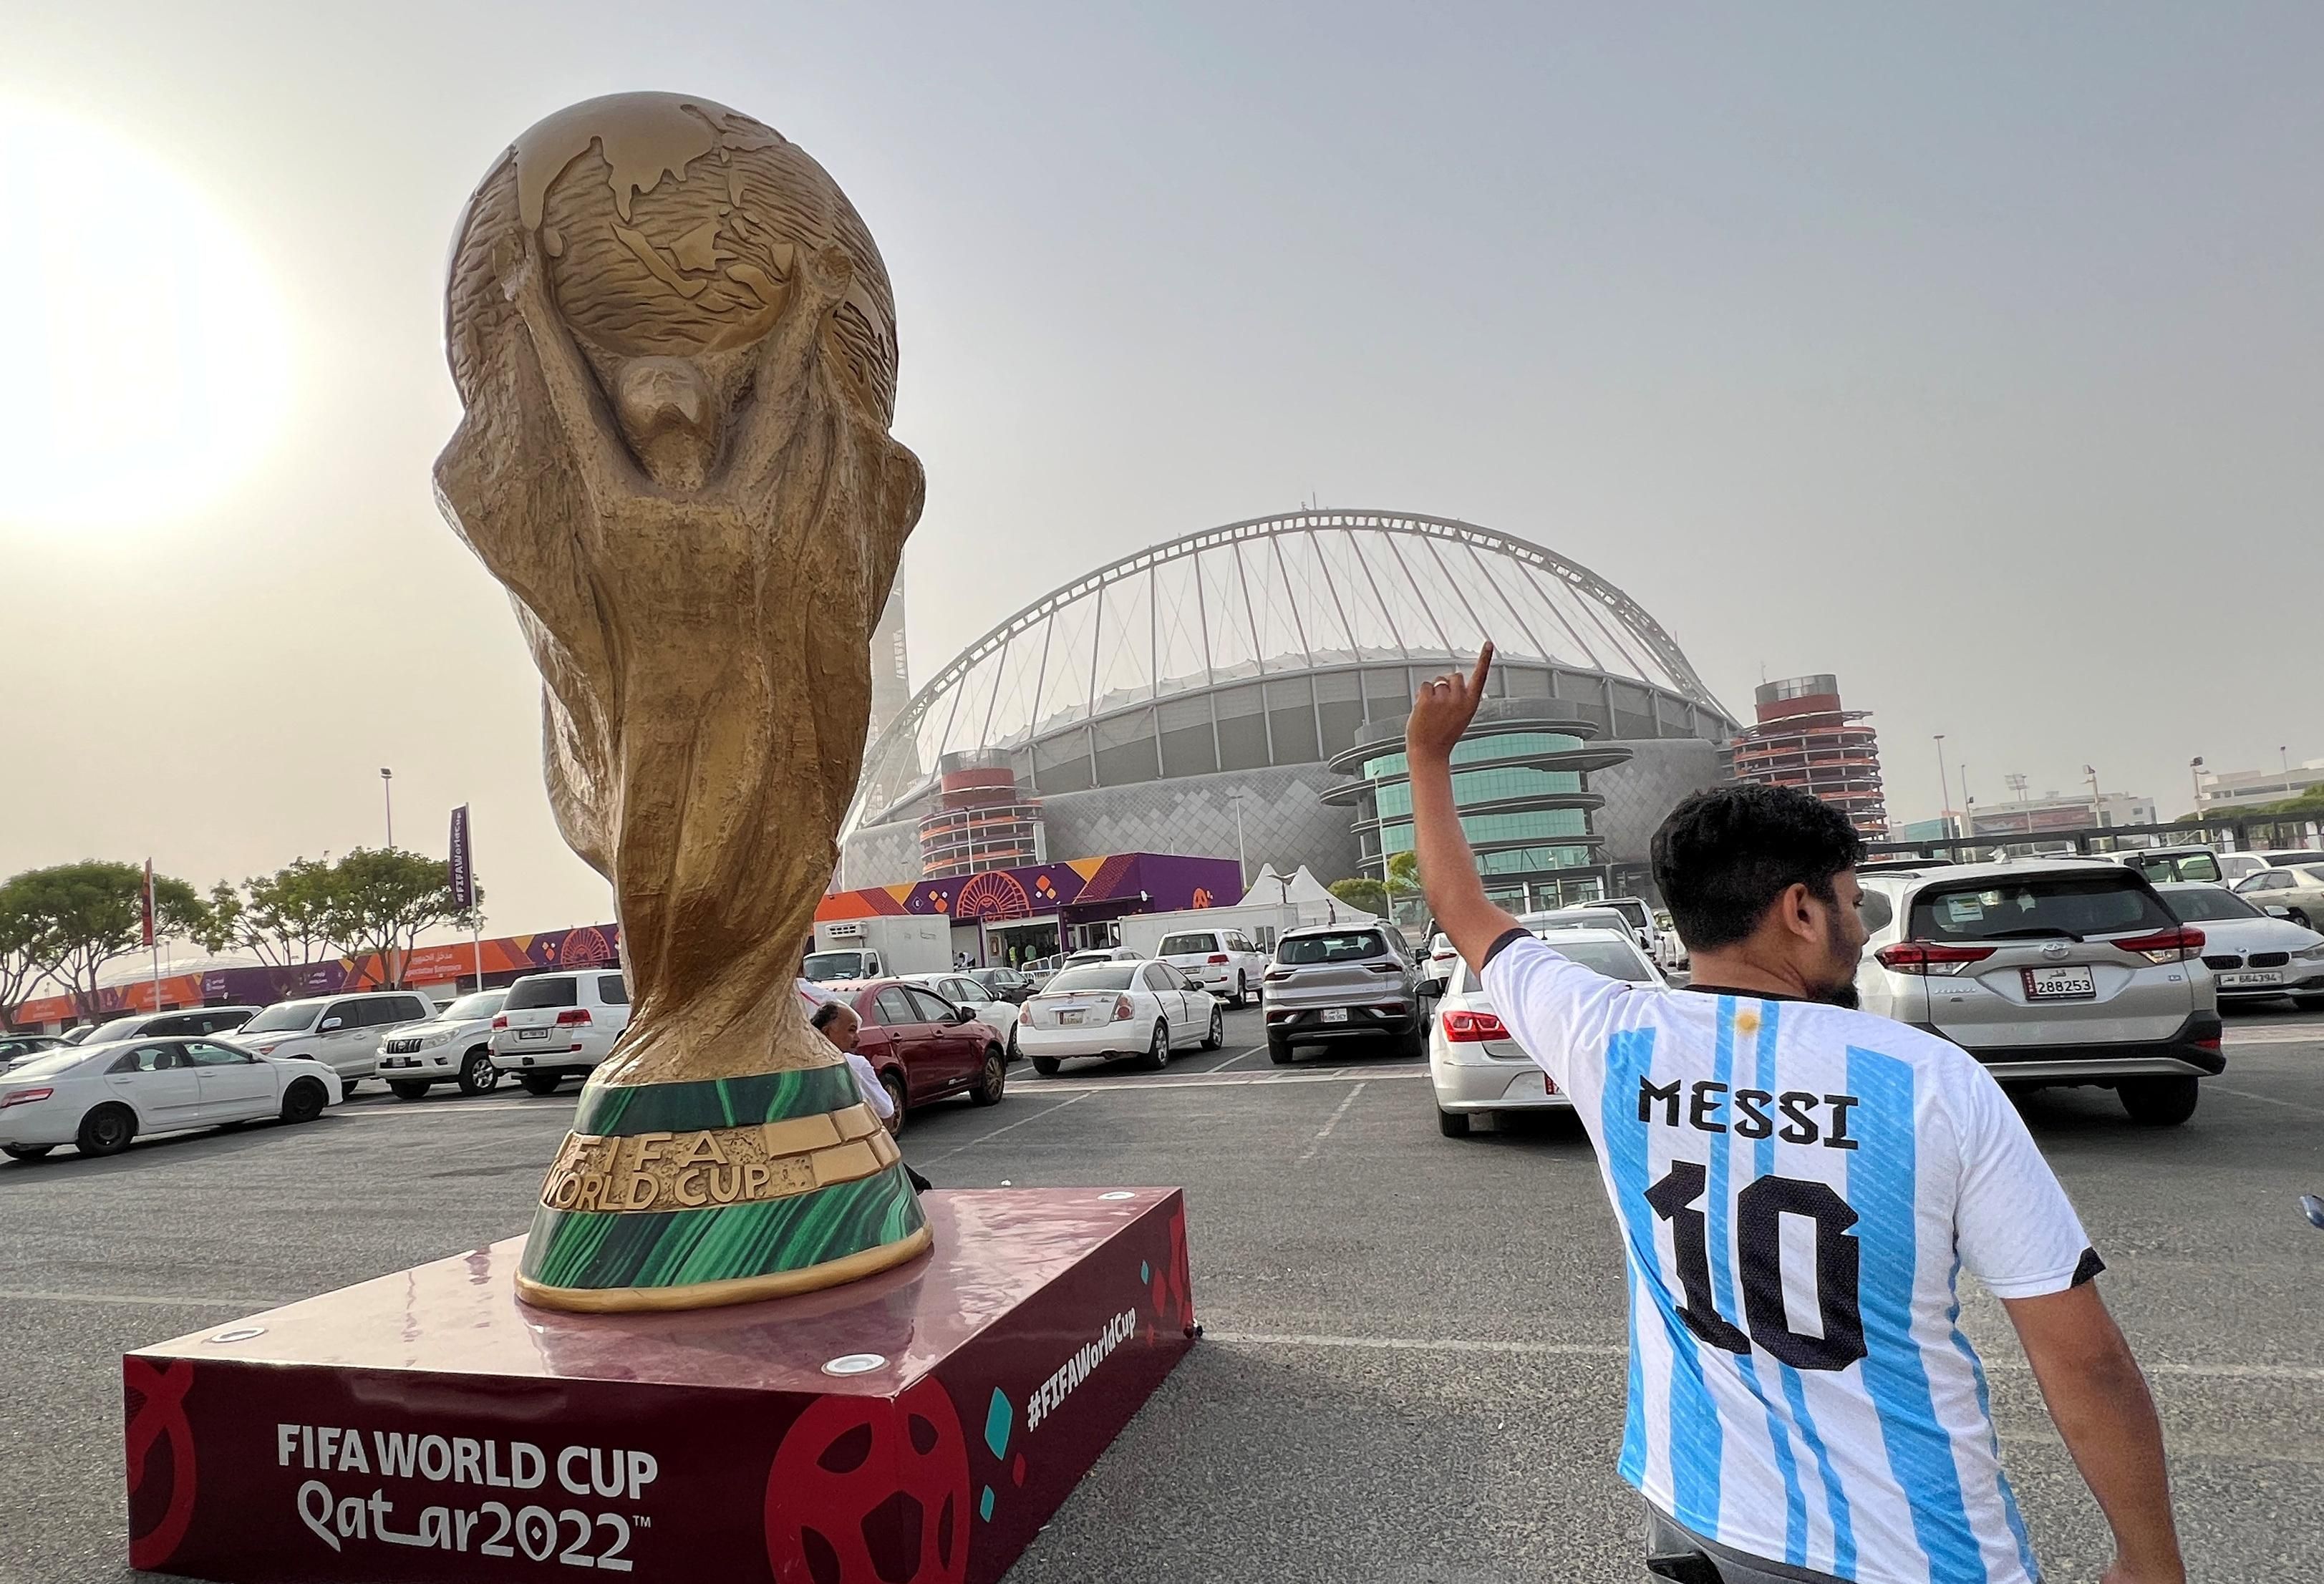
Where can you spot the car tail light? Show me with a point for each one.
(24, 1097)
(2209, 1041)
(1473, 1027)
(2179, 943)
(500, 1022)
(1273, 974)
(1122, 1009)
(1926, 957)
(1216, 958)
(572, 1017)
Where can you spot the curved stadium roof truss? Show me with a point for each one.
(1279, 598)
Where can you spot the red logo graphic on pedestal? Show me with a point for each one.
(160, 1412)
(862, 1494)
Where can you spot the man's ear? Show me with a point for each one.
(1798, 916)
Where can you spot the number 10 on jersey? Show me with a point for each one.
(1759, 1211)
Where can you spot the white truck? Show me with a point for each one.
(869, 948)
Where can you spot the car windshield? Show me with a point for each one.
(829, 966)
(2178, 866)
(1093, 976)
(2203, 904)
(484, 1004)
(288, 1017)
(47, 1065)
(2314, 871)
(1184, 945)
(546, 990)
(1353, 946)
(2057, 906)
(1614, 959)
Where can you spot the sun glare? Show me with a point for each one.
(148, 367)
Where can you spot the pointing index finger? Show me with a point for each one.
(1484, 664)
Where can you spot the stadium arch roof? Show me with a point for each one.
(1127, 655)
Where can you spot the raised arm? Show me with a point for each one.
(1448, 869)
(780, 388)
(2099, 1401)
(598, 449)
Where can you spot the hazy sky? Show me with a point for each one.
(1977, 358)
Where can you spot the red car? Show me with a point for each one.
(923, 1047)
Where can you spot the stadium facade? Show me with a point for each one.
(1207, 697)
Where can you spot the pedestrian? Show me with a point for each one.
(837, 1022)
(1797, 1184)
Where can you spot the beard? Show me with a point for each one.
(1839, 989)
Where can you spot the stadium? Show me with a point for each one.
(1211, 696)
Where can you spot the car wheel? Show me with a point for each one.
(1243, 990)
(477, 1074)
(1047, 1066)
(540, 1082)
(994, 1081)
(304, 1100)
(25, 1152)
(2309, 1003)
(2158, 1103)
(1158, 1049)
(1278, 1051)
(1453, 1124)
(1217, 1036)
(347, 1087)
(1012, 1042)
(106, 1130)
(407, 1089)
(1412, 1044)
(893, 1083)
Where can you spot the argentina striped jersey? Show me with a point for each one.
(1798, 1187)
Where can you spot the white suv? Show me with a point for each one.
(456, 1045)
(342, 1032)
(556, 1025)
(1224, 961)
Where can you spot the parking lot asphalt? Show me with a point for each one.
(1413, 1370)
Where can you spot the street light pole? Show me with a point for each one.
(1243, 861)
(387, 791)
(1945, 788)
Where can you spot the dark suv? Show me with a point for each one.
(1331, 982)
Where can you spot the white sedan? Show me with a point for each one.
(2253, 955)
(1475, 1065)
(1144, 1009)
(961, 990)
(99, 1096)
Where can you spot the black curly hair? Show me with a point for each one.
(1724, 856)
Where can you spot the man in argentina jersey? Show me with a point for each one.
(1798, 1186)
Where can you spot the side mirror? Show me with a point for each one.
(329, 1023)
(963, 1015)
(2279, 913)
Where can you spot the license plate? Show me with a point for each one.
(1335, 1014)
(533, 1033)
(1070, 1015)
(2075, 983)
(2263, 976)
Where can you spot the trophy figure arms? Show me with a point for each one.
(780, 390)
(607, 473)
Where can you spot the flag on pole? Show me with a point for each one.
(463, 874)
(148, 904)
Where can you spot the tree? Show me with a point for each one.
(85, 915)
(287, 917)
(218, 927)
(20, 942)
(381, 899)
(1363, 893)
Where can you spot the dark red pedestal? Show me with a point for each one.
(498, 1441)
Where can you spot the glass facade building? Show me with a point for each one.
(1521, 782)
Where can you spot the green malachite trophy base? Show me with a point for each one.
(727, 1191)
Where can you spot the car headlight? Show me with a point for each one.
(2314, 954)
(433, 1040)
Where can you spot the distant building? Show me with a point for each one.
(1804, 739)
(2232, 789)
(980, 821)
(2037, 816)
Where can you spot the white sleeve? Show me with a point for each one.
(2015, 1227)
(875, 1093)
(1554, 1005)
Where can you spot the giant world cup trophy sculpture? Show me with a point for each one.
(675, 347)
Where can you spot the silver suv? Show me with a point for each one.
(2048, 972)
(1331, 982)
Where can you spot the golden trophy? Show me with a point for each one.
(675, 344)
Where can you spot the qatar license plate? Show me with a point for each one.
(2252, 977)
(533, 1033)
(2074, 983)
(1335, 1014)
(1070, 1015)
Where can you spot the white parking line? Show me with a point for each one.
(2311, 1035)
(247, 1305)
(2247, 1094)
(1325, 1130)
(1239, 1081)
(1019, 1122)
